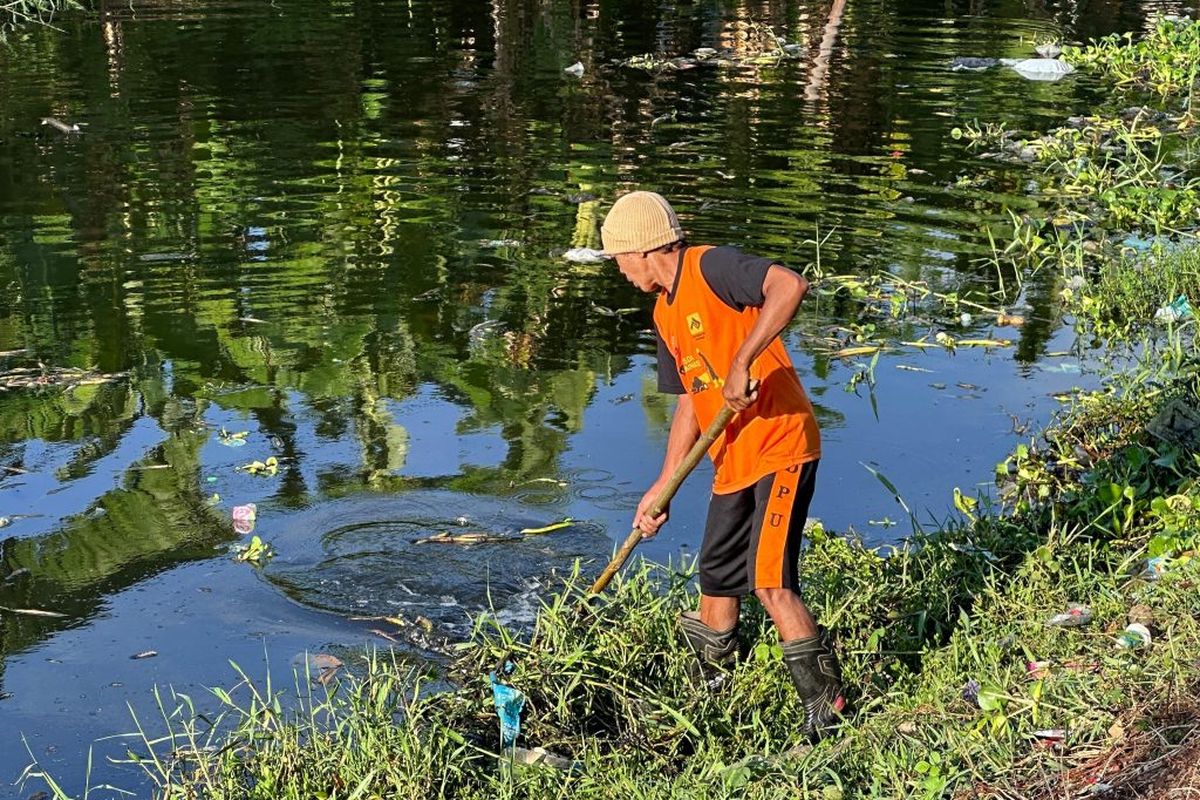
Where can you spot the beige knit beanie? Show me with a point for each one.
(638, 223)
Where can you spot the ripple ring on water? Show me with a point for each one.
(596, 493)
(592, 475)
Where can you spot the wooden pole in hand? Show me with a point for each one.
(715, 428)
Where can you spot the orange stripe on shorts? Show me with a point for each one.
(772, 537)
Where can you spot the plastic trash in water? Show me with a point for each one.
(1177, 309)
(1041, 69)
(575, 69)
(1076, 616)
(1134, 636)
(585, 255)
(243, 518)
(972, 63)
(509, 702)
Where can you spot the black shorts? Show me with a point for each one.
(752, 537)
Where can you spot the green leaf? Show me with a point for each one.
(991, 699)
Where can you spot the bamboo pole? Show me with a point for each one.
(715, 429)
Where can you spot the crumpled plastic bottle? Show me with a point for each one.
(1076, 616)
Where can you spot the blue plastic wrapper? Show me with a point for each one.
(509, 702)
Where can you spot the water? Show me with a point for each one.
(338, 229)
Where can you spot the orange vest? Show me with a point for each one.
(703, 335)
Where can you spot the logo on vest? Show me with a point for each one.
(703, 376)
(695, 326)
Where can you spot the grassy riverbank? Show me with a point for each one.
(961, 687)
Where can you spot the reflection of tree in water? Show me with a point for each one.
(153, 521)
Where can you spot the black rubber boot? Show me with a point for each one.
(715, 651)
(818, 679)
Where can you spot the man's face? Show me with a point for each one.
(636, 269)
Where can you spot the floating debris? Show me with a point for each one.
(557, 526)
(33, 612)
(864, 350)
(269, 467)
(473, 537)
(972, 64)
(1010, 320)
(143, 654)
(575, 70)
(1049, 50)
(495, 244)
(16, 573)
(62, 127)
(585, 255)
(237, 439)
(257, 552)
(244, 517)
(165, 258)
(327, 667)
(67, 377)
(479, 332)
(1042, 69)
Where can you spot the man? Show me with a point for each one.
(718, 316)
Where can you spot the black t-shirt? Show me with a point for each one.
(736, 278)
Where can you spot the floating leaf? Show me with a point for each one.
(557, 526)
(268, 467)
(850, 352)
